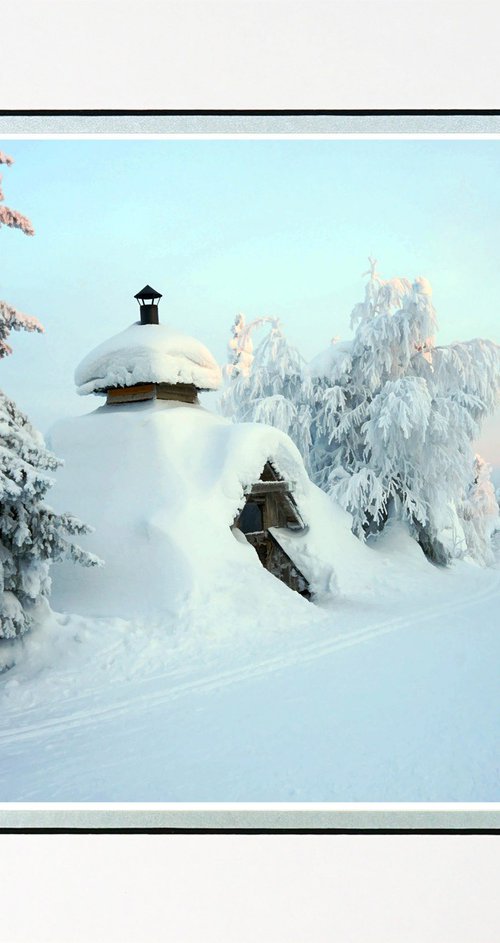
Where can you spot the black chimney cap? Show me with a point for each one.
(147, 294)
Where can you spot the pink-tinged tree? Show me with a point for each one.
(32, 534)
(8, 217)
(10, 319)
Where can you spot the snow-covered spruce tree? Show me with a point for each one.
(32, 535)
(270, 387)
(394, 419)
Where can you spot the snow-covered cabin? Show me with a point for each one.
(184, 502)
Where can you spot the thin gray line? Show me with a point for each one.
(252, 124)
(246, 819)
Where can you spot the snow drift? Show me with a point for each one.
(162, 482)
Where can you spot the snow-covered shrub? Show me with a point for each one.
(479, 513)
(394, 419)
(32, 535)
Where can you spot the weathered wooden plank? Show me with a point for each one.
(183, 392)
(130, 394)
(276, 560)
(268, 487)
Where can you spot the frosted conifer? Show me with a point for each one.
(271, 388)
(394, 418)
(32, 535)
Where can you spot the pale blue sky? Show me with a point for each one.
(263, 227)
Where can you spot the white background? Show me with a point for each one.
(232, 889)
(249, 889)
(249, 54)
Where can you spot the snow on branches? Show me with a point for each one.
(8, 217)
(32, 535)
(10, 319)
(385, 422)
(239, 348)
(269, 387)
(395, 418)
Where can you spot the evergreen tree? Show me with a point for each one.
(272, 388)
(32, 535)
(394, 418)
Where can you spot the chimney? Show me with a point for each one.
(148, 300)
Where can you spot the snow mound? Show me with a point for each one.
(162, 482)
(147, 353)
(332, 361)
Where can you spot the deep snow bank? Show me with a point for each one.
(390, 698)
(161, 483)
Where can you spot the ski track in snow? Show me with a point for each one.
(300, 654)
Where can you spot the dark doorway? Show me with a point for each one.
(250, 520)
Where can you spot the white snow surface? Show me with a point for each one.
(147, 353)
(161, 482)
(387, 693)
(182, 671)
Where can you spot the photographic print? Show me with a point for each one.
(249, 430)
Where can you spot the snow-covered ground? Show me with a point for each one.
(390, 694)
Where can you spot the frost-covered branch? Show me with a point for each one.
(395, 418)
(9, 217)
(32, 534)
(270, 386)
(385, 422)
(13, 320)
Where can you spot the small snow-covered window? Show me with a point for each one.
(250, 520)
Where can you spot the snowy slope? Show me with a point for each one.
(161, 482)
(208, 679)
(385, 696)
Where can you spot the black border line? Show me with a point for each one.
(251, 112)
(182, 830)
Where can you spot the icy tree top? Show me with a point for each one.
(8, 217)
(147, 353)
(10, 318)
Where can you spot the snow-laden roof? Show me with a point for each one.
(162, 483)
(147, 353)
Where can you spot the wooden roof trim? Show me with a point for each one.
(266, 487)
